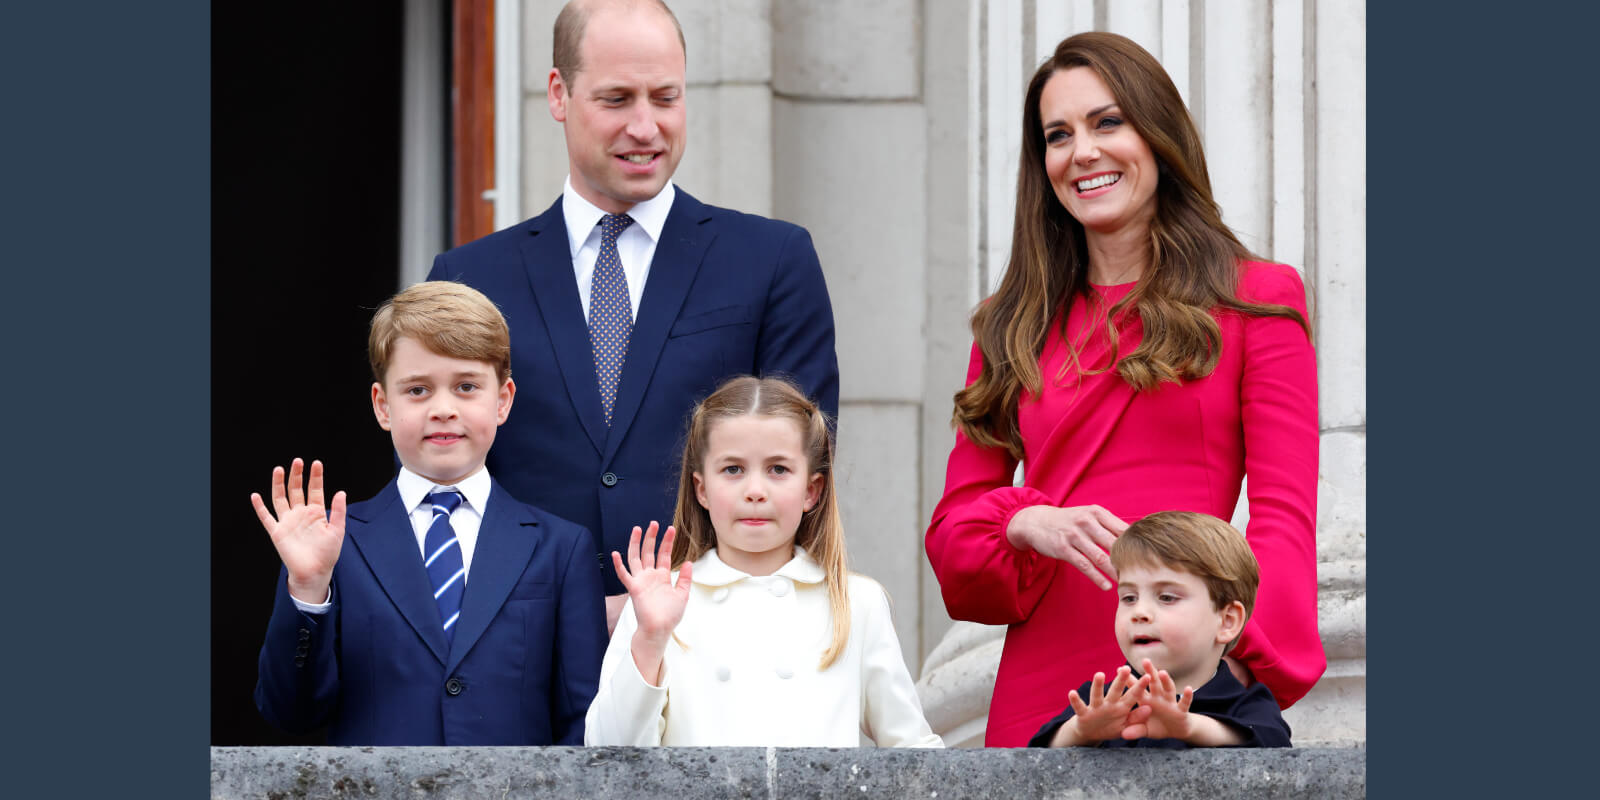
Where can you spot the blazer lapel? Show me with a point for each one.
(547, 257)
(684, 241)
(387, 542)
(507, 539)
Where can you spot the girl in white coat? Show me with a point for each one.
(764, 638)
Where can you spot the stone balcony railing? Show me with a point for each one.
(693, 773)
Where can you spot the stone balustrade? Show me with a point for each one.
(693, 773)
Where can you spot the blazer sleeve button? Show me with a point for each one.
(609, 479)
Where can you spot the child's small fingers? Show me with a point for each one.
(685, 576)
(280, 498)
(647, 554)
(1078, 706)
(314, 488)
(622, 574)
(297, 495)
(633, 550)
(261, 512)
(664, 551)
(336, 513)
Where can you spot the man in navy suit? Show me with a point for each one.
(454, 614)
(628, 299)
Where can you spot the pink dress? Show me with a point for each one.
(1091, 439)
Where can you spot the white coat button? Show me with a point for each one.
(720, 594)
(785, 673)
(723, 673)
(779, 587)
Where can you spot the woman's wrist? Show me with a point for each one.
(1017, 528)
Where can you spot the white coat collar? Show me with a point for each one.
(710, 570)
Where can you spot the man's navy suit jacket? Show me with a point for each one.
(728, 294)
(524, 663)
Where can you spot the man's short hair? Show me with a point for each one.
(572, 21)
(1198, 544)
(448, 318)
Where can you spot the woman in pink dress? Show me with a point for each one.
(1136, 358)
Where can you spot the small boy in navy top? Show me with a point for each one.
(442, 611)
(1186, 584)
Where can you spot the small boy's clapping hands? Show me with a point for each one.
(1147, 707)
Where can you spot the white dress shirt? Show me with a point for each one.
(742, 669)
(414, 490)
(636, 245)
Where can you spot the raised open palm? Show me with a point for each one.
(306, 535)
(658, 604)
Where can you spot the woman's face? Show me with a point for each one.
(1101, 168)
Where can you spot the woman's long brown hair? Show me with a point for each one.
(1193, 266)
(821, 532)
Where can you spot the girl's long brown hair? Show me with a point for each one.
(821, 533)
(1193, 267)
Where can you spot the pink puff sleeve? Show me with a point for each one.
(1278, 397)
(982, 577)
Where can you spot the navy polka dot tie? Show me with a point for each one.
(610, 311)
(442, 559)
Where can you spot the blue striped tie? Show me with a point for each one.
(443, 561)
(610, 311)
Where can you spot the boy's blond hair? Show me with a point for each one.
(1198, 544)
(449, 319)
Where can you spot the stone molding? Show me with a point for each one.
(691, 773)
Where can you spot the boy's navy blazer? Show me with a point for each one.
(524, 663)
(728, 294)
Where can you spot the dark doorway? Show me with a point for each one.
(305, 244)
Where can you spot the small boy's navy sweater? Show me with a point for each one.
(1253, 712)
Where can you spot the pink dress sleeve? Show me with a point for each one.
(982, 577)
(1278, 396)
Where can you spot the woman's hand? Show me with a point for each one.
(1078, 535)
(658, 604)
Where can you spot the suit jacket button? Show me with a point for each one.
(609, 479)
(454, 686)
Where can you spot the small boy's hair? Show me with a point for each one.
(450, 319)
(1198, 544)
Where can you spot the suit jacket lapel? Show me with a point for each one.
(388, 543)
(684, 240)
(548, 259)
(507, 539)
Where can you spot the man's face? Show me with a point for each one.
(623, 110)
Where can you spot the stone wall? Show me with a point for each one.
(693, 773)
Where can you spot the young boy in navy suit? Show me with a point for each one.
(1186, 583)
(442, 611)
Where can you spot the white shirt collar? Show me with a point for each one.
(581, 215)
(414, 489)
(710, 570)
